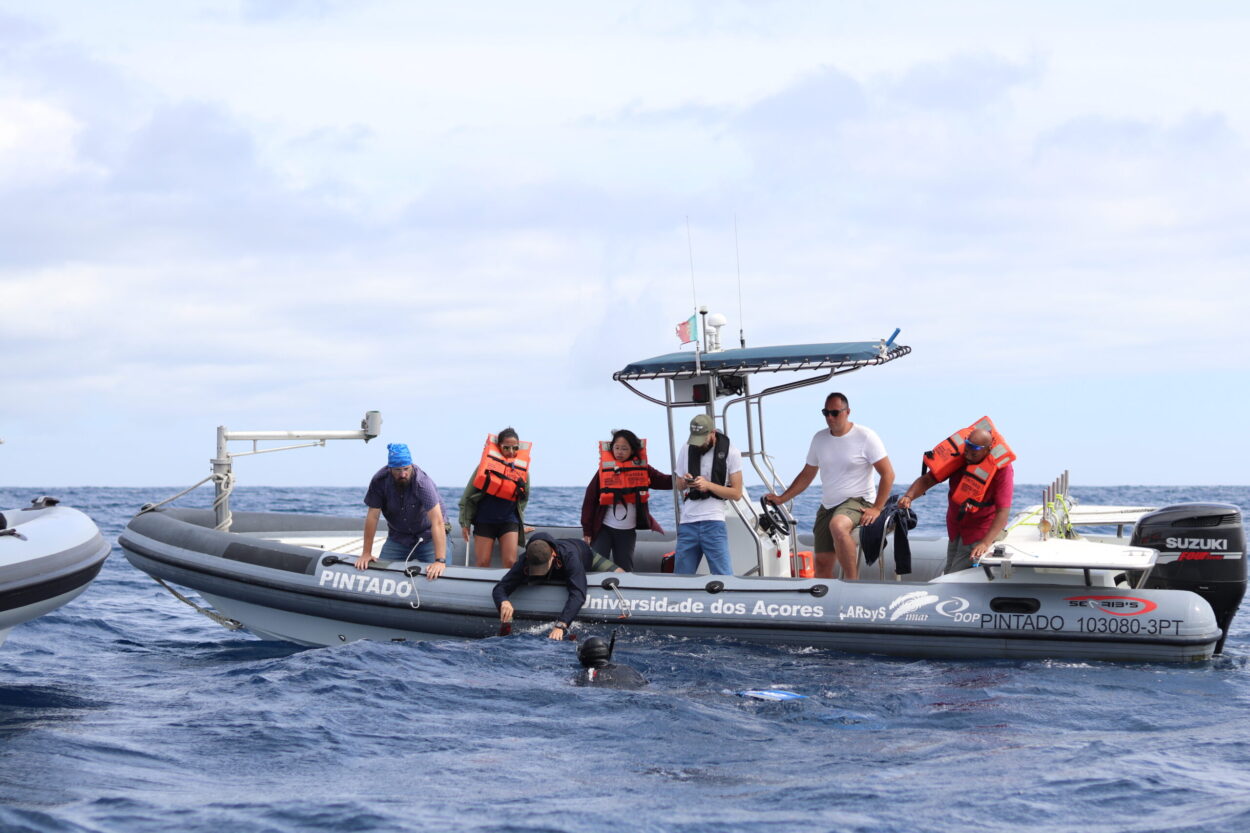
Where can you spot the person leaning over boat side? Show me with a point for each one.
(713, 475)
(493, 503)
(611, 527)
(409, 500)
(545, 558)
(970, 528)
(845, 454)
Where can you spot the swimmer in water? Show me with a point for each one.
(598, 669)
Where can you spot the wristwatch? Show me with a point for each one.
(562, 626)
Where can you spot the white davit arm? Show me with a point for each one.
(223, 474)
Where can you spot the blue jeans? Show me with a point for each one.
(700, 538)
(393, 551)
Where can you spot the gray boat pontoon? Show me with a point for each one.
(1166, 591)
(48, 555)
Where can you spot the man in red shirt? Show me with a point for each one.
(971, 534)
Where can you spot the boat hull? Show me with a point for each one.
(307, 594)
(48, 558)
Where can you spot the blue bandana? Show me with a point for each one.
(398, 456)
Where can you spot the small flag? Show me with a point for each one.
(688, 331)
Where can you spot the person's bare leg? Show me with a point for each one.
(507, 548)
(825, 562)
(844, 546)
(482, 548)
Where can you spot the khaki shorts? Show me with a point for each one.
(853, 508)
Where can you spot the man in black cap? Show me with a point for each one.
(566, 559)
(598, 669)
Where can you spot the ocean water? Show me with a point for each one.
(128, 711)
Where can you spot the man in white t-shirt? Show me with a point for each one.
(845, 454)
(711, 472)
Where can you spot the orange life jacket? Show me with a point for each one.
(948, 457)
(499, 476)
(623, 482)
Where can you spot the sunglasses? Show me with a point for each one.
(974, 446)
(510, 447)
(833, 412)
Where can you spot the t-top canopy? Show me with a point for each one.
(800, 357)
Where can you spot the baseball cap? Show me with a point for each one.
(700, 427)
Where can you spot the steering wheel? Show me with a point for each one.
(775, 518)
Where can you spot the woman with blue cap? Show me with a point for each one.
(409, 500)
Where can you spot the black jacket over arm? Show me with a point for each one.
(873, 536)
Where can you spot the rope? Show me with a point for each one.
(1023, 520)
(1058, 509)
(226, 482)
(221, 503)
(408, 571)
(224, 621)
(625, 610)
(1065, 522)
(148, 507)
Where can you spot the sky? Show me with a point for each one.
(279, 214)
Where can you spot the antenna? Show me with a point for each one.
(742, 339)
(690, 246)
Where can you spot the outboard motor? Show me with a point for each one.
(1202, 548)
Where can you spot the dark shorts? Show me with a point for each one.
(495, 531)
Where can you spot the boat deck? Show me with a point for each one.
(344, 543)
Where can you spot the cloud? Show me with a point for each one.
(16, 30)
(37, 144)
(811, 108)
(351, 138)
(466, 251)
(915, 194)
(270, 11)
(962, 83)
(189, 146)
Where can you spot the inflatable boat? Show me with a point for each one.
(1164, 589)
(48, 555)
(290, 577)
